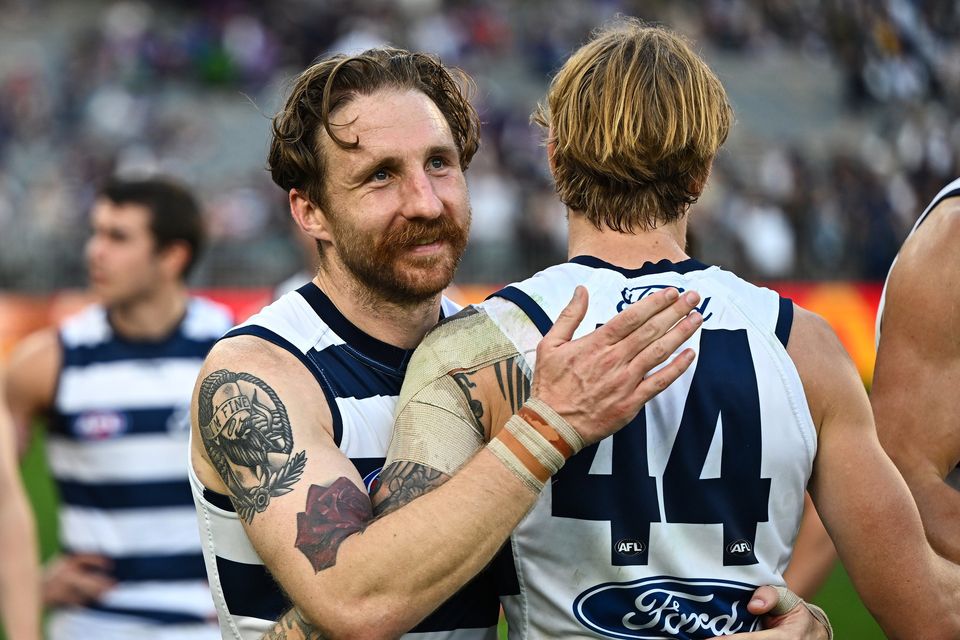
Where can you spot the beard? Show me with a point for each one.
(386, 268)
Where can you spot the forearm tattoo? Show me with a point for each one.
(333, 514)
(401, 482)
(246, 433)
(514, 384)
(291, 622)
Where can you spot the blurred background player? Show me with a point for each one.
(19, 561)
(665, 525)
(915, 383)
(113, 383)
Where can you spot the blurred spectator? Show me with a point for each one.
(97, 87)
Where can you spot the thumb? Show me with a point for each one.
(570, 318)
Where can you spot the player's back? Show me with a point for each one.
(664, 529)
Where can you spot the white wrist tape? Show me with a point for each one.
(535, 442)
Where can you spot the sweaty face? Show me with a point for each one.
(121, 258)
(396, 205)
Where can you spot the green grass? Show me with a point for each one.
(850, 620)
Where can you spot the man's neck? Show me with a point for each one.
(151, 317)
(627, 250)
(399, 325)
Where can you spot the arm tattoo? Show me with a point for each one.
(402, 482)
(514, 385)
(476, 407)
(292, 621)
(246, 433)
(333, 514)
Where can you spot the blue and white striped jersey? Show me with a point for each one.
(664, 529)
(360, 378)
(119, 429)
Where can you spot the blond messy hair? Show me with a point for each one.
(635, 119)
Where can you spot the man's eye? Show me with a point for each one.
(379, 175)
(437, 162)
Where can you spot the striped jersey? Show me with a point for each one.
(360, 377)
(952, 190)
(665, 528)
(118, 432)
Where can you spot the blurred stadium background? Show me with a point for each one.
(846, 126)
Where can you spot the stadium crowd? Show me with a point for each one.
(96, 88)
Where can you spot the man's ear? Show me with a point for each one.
(551, 151)
(174, 258)
(309, 216)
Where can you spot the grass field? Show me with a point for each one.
(850, 620)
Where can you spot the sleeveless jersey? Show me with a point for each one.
(664, 529)
(119, 428)
(952, 190)
(360, 378)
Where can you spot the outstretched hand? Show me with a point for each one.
(599, 382)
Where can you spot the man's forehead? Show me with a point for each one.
(388, 118)
(128, 215)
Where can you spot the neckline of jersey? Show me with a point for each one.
(355, 338)
(648, 268)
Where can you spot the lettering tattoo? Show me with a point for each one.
(293, 622)
(246, 433)
(332, 515)
(401, 482)
(514, 384)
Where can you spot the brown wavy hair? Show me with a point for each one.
(296, 159)
(635, 118)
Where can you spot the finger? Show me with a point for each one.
(91, 586)
(657, 326)
(92, 561)
(662, 348)
(660, 380)
(638, 314)
(569, 319)
(766, 598)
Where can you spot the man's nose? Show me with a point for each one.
(420, 197)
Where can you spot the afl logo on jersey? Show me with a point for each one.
(99, 425)
(739, 548)
(666, 607)
(629, 547)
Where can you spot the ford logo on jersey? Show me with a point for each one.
(665, 607)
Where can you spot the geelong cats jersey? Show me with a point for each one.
(119, 429)
(664, 529)
(360, 377)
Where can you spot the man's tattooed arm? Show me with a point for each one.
(401, 482)
(247, 435)
(292, 626)
(513, 382)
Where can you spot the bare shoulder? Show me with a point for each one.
(826, 370)
(31, 376)
(921, 311)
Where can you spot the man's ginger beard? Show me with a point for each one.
(384, 266)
